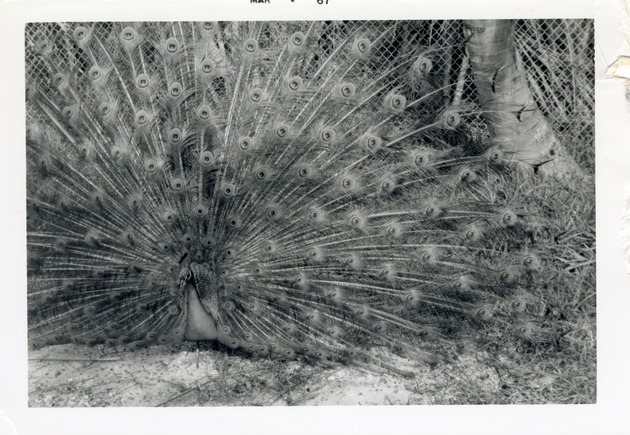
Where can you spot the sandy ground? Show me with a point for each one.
(78, 376)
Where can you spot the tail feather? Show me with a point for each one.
(299, 182)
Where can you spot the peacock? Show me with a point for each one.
(286, 190)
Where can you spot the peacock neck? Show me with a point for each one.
(202, 314)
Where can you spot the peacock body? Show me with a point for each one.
(287, 189)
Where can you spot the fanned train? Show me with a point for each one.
(289, 189)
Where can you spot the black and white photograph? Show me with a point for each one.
(318, 213)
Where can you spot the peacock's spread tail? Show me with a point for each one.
(279, 187)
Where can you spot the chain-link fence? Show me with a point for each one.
(560, 61)
(558, 56)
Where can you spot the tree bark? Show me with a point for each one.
(515, 123)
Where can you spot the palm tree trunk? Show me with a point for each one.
(514, 120)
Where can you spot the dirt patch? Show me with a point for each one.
(78, 376)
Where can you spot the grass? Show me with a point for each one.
(560, 367)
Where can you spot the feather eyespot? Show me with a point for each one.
(388, 186)
(334, 293)
(206, 158)
(31, 92)
(421, 160)
(327, 135)
(518, 305)
(412, 296)
(204, 112)
(508, 277)
(187, 238)
(362, 311)
(79, 33)
(245, 143)
(388, 271)
(235, 222)
(467, 176)
(297, 38)
(348, 90)
(150, 166)
(143, 81)
(357, 221)
(495, 156)
(295, 83)
(304, 171)
(255, 95)
(508, 219)
(95, 73)
(425, 65)
(262, 174)
(270, 247)
(201, 210)
(128, 34)
(472, 235)
(531, 262)
(394, 230)
(175, 135)
(68, 112)
(452, 119)
(380, 327)
(525, 330)
(142, 117)
(251, 45)
(397, 102)
(59, 79)
(282, 131)
(461, 283)
(274, 212)
(431, 211)
(228, 189)
(105, 109)
(207, 66)
(117, 153)
(362, 45)
(172, 45)
(372, 143)
(483, 313)
(60, 245)
(173, 310)
(43, 46)
(316, 254)
(175, 89)
(177, 184)
(33, 133)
